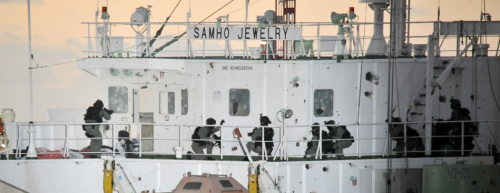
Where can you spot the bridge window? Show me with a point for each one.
(239, 102)
(118, 99)
(323, 103)
(167, 102)
(184, 102)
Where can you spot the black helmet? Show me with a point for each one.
(330, 122)
(123, 135)
(98, 104)
(315, 127)
(210, 121)
(264, 120)
(394, 120)
(455, 103)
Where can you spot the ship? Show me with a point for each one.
(421, 112)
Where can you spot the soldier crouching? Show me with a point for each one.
(256, 135)
(203, 139)
(326, 143)
(342, 137)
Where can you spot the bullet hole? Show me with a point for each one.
(320, 111)
(472, 97)
(211, 64)
(442, 98)
(198, 74)
(307, 166)
(208, 71)
(369, 76)
(453, 70)
(140, 179)
(304, 101)
(368, 93)
(325, 169)
(297, 144)
(328, 68)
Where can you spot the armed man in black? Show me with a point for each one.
(94, 115)
(326, 142)
(256, 135)
(203, 138)
(342, 136)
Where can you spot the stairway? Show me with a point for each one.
(416, 110)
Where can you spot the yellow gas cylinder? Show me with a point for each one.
(252, 183)
(108, 181)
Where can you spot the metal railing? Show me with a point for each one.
(99, 44)
(226, 148)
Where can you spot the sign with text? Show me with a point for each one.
(244, 33)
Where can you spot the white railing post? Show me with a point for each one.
(113, 141)
(319, 48)
(18, 155)
(462, 139)
(320, 144)
(88, 38)
(220, 144)
(263, 145)
(405, 140)
(140, 141)
(357, 139)
(65, 152)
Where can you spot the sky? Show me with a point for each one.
(57, 37)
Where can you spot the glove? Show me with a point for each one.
(108, 111)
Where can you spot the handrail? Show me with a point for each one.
(414, 99)
(96, 50)
(287, 141)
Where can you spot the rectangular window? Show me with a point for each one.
(226, 183)
(167, 102)
(323, 103)
(184, 102)
(239, 102)
(118, 99)
(192, 186)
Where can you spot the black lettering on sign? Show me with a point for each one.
(238, 68)
(269, 34)
(285, 30)
(226, 33)
(196, 34)
(219, 33)
(211, 32)
(204, 33)
(241, 35)
(255, 33)
(262, 33)
(277, 32)
(247, 33)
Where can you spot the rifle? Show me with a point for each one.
(218, 138)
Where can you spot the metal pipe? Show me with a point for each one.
(428, 96)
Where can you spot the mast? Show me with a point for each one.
(31, 149)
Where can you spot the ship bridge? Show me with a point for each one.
(397, 99)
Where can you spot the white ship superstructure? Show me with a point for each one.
(238, 71)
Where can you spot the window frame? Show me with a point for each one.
(332, 101)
